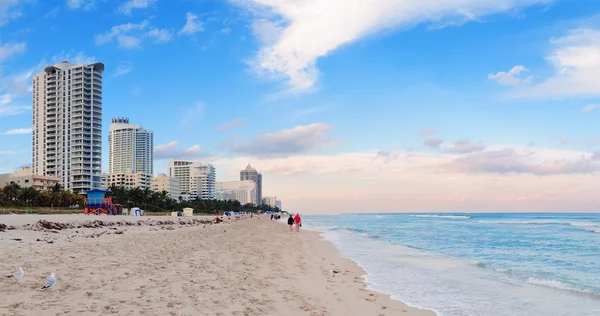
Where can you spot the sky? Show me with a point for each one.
(343, 105)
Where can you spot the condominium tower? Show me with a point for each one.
(252, 175)
(67, 124)
(130, 151)
(195, 178)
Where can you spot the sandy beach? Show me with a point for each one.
(173, 266)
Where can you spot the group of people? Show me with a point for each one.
(295, 220)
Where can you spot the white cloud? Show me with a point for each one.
(229, 125)
(8, 50)
(81, 4)
(160, 35)
(123, 69)
(193, 114)
(298, 140)
(11, 9)
(130, 5)
(576, 61)
(173, 150)
(590, 107)
(464, 146)
(428, 132)
(192, 25)
(74, 58)
(18, 131)
(131, 35)
(295, 34)
(510, 78)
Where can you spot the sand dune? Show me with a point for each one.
(246, 267)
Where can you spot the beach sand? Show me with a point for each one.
(244, 267)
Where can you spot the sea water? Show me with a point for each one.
(476, 264)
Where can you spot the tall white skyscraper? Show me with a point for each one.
(67, 124)
(131, 148)
(195, 178)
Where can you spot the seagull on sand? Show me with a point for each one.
(50, 282)
(18, 274)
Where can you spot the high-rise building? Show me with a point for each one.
(196, 179)
(252, 175)
(242, 191)
(165, 183)
(67, 124)
(130, 148)
(278, 205)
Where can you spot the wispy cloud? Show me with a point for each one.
(74, 58)
(12, 9)
(464, 146)
(193, 114)
(86, 5)
(173, 150)
(298, 140)
(285, 27)
(123, 69)
(230, 125)
(52, 13)
(130, 5)
(131, 35)
(18, 131)
(192, 25)
(590, 107)
(8, 50)
(428, 132)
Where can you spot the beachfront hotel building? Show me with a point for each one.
(196, 179)
(168, 184)
(242, 191)
(67, 125)
(130, 180)
(252, 175)
(131, 155)
(270, 201)
(278, 204)
(26, 179)
(130, 147)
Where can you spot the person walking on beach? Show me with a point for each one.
(298, 221)
(291, 222)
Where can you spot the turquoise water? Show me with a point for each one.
(476, 264)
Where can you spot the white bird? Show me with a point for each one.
(50, 282)
(334, 272)
(18, 274)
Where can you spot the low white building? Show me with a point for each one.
(242, 191)
(130, 180)
(165, 183)
(26, 179)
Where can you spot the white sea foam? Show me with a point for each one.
(555, 284)
(453, 287)
(442, 216)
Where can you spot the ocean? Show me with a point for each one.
(475, 264)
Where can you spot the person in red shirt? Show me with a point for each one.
(298, 221)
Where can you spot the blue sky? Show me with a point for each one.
(381, 105)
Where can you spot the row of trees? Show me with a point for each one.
(15, 196)
(149, 200)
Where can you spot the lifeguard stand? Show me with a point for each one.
(96, 203)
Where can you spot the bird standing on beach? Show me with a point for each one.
(18, 274)
(334, 272)
(50, 282)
